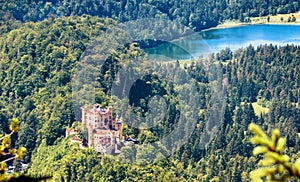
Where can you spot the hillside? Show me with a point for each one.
(198, 15)
(41, 44)
(36, 62)
(37, 67)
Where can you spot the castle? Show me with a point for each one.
(103, 131)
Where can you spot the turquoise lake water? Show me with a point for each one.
(212, 41)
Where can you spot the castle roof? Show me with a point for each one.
(97, 109)
(76, 138)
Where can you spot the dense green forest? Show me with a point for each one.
(37, 62)
(41, 43)
(195, 14)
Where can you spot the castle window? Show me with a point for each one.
(105, 121)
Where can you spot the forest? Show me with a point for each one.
(197, 15)
(41, 43)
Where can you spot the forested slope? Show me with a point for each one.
(37, 61)
(195, 14)
(36, 66)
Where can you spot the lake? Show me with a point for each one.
(214, 40)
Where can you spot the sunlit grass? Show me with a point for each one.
(258, 109)
(277, 18)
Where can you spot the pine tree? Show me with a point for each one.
(275, 166)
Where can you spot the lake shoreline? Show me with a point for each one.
(233, 24)
(206, 41)
(228, 24)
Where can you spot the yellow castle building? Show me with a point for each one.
(104, 131)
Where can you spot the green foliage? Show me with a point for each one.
(8, 154)
(14, 125)
(38, 59)
(195, 14)
(66, 162)
(275, 166)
